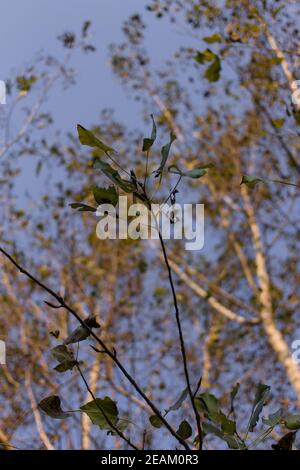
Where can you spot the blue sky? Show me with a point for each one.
(30, 26)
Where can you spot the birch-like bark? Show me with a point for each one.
(273, 334)
(211, 300)
(85, 420)
(37, 416)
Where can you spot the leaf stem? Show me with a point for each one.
(146, 170)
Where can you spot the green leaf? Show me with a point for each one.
(61, 353)
(212, 73)
(286, 442)
(148, 142)
(99, 409)
(273, 419)
(82, 207)
(292, 421)
(251, 181)
(85, 28)
(213, 38)
(155, 421)
(184, 431)
(25, 83)
(278, 123)
(231, 441)
(66, 365)
(91, 322)
(261, 396)
(209, 428)
(51, 406)
(165, 154)
(114, 176)
(81, 332)
(122, 425)
(233, 394)
(87, 137)
(204, 56)
(275, 12)
(195, 173)
(207, 404)
(105, 196)
(65, 357)
(227, 425)
(179, 401)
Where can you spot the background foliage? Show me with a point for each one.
(227, 98)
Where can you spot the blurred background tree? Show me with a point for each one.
(226, 94)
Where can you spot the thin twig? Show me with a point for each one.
(110, 423)
(112, 355)
(197, 387)
(181, 339)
